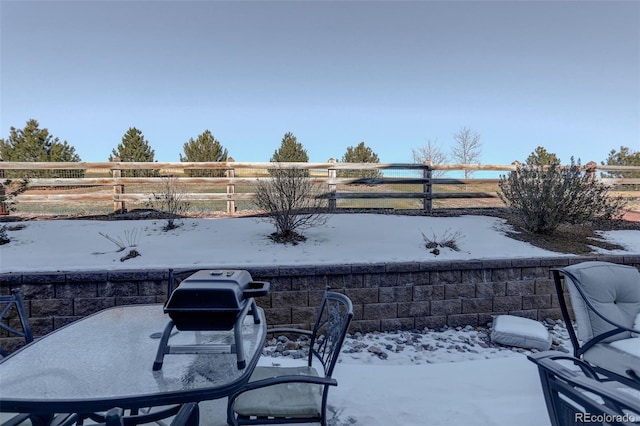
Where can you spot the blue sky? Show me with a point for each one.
(561, 74)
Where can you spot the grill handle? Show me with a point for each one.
(256, 289)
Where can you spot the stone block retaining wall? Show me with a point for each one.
(386, 296)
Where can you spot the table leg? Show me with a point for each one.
(162, 346)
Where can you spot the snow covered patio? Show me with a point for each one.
(492, 392)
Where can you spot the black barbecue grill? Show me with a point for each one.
(211, 300)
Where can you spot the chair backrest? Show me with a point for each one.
(334, 316)
(611, 289)
(575, 399)
(15, 301)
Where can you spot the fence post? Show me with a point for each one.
(4, 211)
(427, 187)
(332, 186)
(231, 189)
(591, 169)
(118, 205)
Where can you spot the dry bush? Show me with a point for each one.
(292, 203)
(544, 197)
(169, 199)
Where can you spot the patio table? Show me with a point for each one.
(106, 360)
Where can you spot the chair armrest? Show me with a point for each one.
(293, 378)
(289, 330)
(556, 356)
(597, 339)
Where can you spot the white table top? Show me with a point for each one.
(106, 359)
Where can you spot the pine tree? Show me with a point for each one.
(360, 154)
(290, 151)
(205, 148)
(38, 145)
(625, 157)
(134, 148)
(541, 157)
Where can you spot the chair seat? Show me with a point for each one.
(618, 357)
(295, 400)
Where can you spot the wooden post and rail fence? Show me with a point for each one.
(115, 182)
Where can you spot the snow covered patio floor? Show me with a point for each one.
(451, 376)
(495, 391)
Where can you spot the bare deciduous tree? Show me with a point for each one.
(467, 148)
(292, 201)
(430, 154)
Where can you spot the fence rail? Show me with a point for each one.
(348, 185)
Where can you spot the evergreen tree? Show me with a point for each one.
(290, 151)
(625, 157)
(360, 154)
(204, 148)
(134, 148)
(38, 145)
(541, 157)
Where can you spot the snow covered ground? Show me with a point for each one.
(435, 377)
(67, 245)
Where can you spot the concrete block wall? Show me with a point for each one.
(386, 296)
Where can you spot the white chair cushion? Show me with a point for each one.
(636, 326)
(510, 330)
(614, 290)
(283, 400)
(618, 356)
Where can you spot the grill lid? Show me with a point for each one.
(212, 299)
(216, 290)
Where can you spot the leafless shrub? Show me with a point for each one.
(448, 239)
(170, 199)
(292, 202)
(131, 239)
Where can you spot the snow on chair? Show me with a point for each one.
(605, 298)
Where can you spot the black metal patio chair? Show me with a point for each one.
(578, 397)
(605, 298)
(297, 394)
(11, 301)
